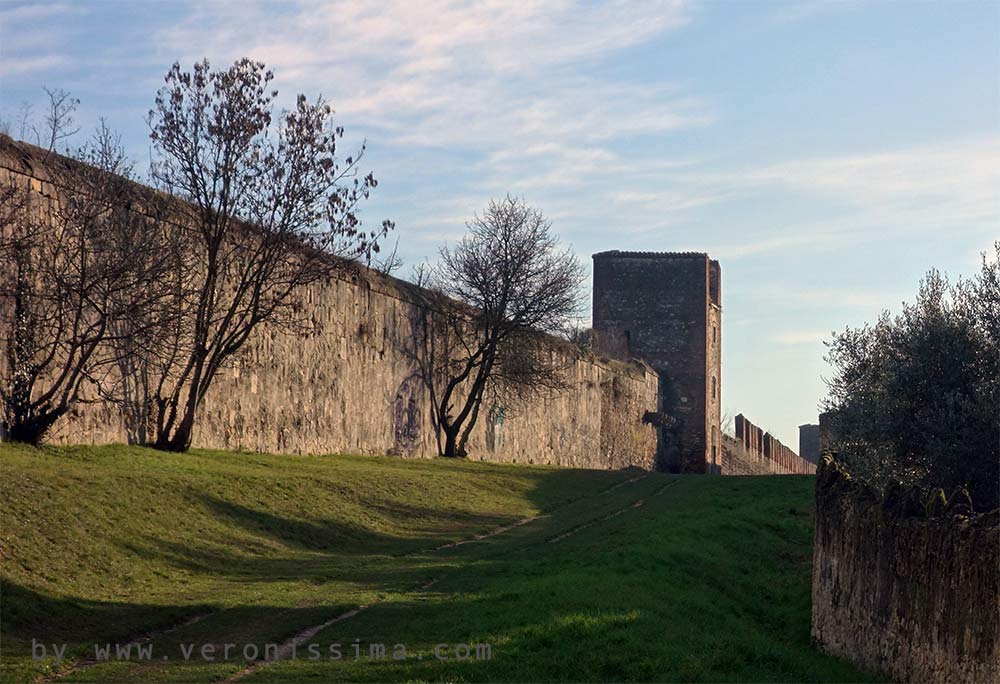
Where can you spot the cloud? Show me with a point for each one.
(841, 296)
(11, 66)
(901, 193)
(19, 14)
(24, 49)
(447, 73)
(503, 82)
(958, 180)
(468, 101)
(797, 337)
(505, 88)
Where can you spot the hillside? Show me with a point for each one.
(608, 576)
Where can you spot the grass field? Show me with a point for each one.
(609, 576)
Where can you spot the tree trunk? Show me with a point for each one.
(32, 430)
(176, 439)
(451, 442)
(180, 440)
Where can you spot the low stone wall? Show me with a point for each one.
(907, 588)
(348, 384)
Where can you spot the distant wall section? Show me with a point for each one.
(756, 452)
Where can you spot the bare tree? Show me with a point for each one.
(728, 424)
(266, 205)
(146, 316)
(20, 125)
(59, 122)
(68, 270)
(390, 262)
(502, 288)
(582, 337)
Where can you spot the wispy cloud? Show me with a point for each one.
(19, 66)
(13, 16)
(26, 48)
(901, 193)
(448, 73)
(957, 180)
(506, 87)
(473, 100)
(797, 337)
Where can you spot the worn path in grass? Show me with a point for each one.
(569, 575)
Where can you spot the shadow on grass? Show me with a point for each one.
(346, 538)
(29, 614)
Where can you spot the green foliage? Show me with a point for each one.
(915, 398)
(654, 578)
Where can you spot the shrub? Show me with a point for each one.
(915, 398)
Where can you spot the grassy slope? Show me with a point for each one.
(706, 579)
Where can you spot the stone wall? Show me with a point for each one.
(664, 308)
(755, 452)
(347, 383)
(908, 588)
(738, 460)
(713, 379)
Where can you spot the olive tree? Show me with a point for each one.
(915, 398)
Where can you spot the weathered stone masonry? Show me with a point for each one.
(754, 451)
(666, 309)
(908, 588)
(347, 385)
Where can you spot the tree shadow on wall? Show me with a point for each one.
(424, 344)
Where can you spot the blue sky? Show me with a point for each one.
(828, 153)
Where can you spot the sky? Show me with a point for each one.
(827, 153)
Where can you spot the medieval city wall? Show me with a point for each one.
(348, 383)
(907, 588)
(755, 452)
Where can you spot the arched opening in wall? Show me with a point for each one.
(715, 447)
(714, 386)
(714, 333)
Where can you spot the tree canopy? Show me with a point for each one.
(915, 397)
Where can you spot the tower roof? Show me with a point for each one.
(650, 255)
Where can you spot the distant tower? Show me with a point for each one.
(809, 442)
(666, 309)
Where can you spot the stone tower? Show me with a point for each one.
(666, 309)
(809, 442)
